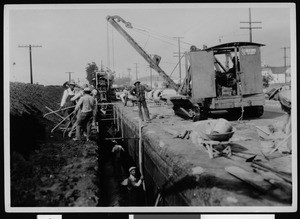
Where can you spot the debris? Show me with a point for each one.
(248, 159)
(263, 182)
(281, 143)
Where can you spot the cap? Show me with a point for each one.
(137, 81)
(87, 89)
(72, 82)
(131, 168)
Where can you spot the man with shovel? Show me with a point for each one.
(87, 104)
(66, 98)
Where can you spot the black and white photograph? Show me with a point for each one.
(132, 108)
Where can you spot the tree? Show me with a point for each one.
(91, 70)
(266, 80)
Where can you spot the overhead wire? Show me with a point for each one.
(108, 48)
(158, 34)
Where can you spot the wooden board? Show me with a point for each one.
(277, 189)
(253, 179)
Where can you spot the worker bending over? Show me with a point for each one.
(284, 98)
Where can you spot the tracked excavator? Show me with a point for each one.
(223, 77)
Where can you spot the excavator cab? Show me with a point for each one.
(223, 77)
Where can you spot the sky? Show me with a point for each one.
(73, 35)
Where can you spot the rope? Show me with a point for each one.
(108, 48)
(242, 106)
(113, 52)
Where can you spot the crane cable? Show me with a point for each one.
(108, 48)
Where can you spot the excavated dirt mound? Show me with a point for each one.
(46, 169)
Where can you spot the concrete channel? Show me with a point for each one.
(178, 172)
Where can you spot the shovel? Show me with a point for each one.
(52, 111)
(61, 122)
(58, 110)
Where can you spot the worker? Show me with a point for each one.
(87, 104)
(284, 98)
(139, 92)
(124, 95)
(231, 74)
(76, 98)
(66, 98)
(133, 186)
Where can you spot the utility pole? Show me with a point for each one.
(179, 57)
(284, 58)
(150, 76)
(136, 71)
(250, 25)
(30, 60)
(129, 70)
(69, 75)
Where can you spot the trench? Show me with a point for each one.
(113, 167)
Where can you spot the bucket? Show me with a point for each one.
(222, 126)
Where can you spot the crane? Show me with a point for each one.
(153, 62)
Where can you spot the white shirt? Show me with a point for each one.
(67, 92)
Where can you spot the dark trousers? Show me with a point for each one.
(84, 121)
(146, 111)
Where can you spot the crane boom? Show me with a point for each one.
(153, 64)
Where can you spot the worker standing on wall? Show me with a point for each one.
(284, 98)
(139, 92)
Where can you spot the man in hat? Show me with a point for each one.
(133, 185)
(76, 98)
(284, 98)
(139, 92)
(66, 98)
(87, 104)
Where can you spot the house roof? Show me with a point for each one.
(279, 70)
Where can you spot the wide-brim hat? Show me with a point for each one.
(87, 89)
(72, 82)
(137, 81)
(131, 168)
(273, 92)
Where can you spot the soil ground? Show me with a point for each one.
(46, 169)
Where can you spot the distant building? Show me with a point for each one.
(278, 74)
(157, 81)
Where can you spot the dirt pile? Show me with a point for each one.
(46, 169)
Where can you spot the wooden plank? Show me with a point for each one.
(252, 179)
(264, 182)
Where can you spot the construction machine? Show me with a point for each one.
(223, 77)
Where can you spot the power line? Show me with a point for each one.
(250, 25)
(151, 35)
(30, 60)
